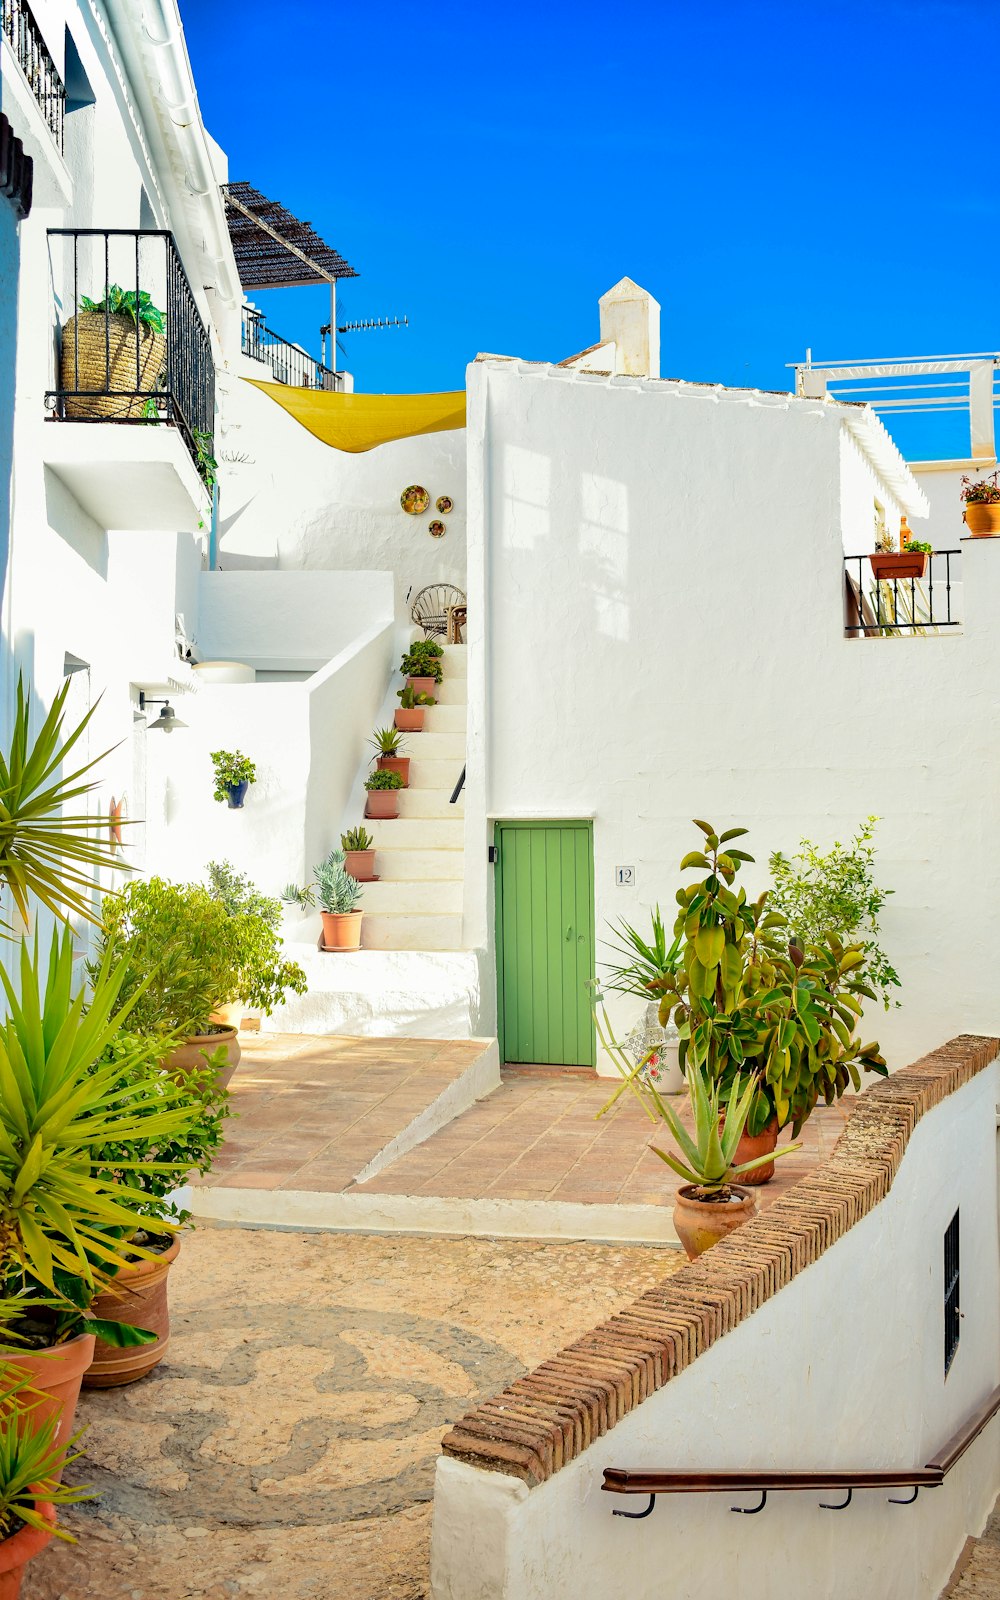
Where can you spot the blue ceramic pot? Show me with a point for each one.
(237, 794)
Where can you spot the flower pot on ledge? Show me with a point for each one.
(341, 930)
(982, 518)
(400, 764)
(701, 1223)
(383, 803)
(898, 564)
(360, 865)
(422, 685)
(411, 721)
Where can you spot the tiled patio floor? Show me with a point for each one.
(310, 1113)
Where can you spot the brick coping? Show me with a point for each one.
(543, 1420)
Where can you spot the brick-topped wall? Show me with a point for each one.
(545, 1419)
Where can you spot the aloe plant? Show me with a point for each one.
(48, 847)
(356, 839)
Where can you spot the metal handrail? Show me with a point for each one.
(877, 612)
(620, 1480)
(34, 60)
(460, 785)
(288, 362)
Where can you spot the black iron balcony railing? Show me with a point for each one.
(287, 362)
(885, 597)
(38, 67)
(133, 346)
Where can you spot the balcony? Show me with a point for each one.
(882, 603)
(34, 100)
(133, 353)
(287, 362)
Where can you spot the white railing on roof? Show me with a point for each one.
(915, 386)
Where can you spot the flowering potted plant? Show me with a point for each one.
(338, 894)
(382, 801)
(234, 773)
(982, 505)
(409, 715)
(388, 742)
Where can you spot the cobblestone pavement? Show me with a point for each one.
(979, 1578)
(286, 1446)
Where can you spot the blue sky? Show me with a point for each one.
(778, 175)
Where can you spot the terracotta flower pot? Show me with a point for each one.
(411, 721)
(18, 1550)
(341, 930)
(193, 1054)
(751, 1146)
(423, 685)
(982, 518)
(382, 803)
(702, 1223)
(57, 1373)
(360, 865)
(400, 764)
(138, 1296)
(899, 564)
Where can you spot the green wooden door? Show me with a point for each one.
(545, 942)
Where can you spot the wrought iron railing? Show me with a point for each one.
(133, 346)
(288, 363)
(880, 604)
(38, 67)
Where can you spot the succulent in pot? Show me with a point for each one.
(338, 894)
(643, 968)
(359, 851)
(382, 801)
(409, 715)
(234, 773)
(981, 497)
(388, 743)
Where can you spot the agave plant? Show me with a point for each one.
(62, 1099)
(31, 1463)
(386, 742)
(47, 848)
(650, 963)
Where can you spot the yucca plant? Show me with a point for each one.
(62, 1098)
(31, 1464)
(650, 963)
(386, 742)
(48, 848)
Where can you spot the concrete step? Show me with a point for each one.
(402, 865)
(433, 896)
(450, 692)
(440, 719)
(436, 774)
(453, 662)
(430, 803)
(406, 930)
(412, 994)
(417, 833)
(447, 746)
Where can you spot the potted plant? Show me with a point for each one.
(338, 895)
(382, 801)
(409, 715)
(888, 563)
(982, 505)
(359, 851)
(153, 1164)
(647, 969)
(388, 742)
(264, 974)
(421, 666)
(114, 350)
(31, 1466)
(234, 773)
(184, 957)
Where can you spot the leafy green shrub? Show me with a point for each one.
(338, 892)
(423, 660)
(356, 839)
(232, 767)
(837, 893)
(384, 780)
(264, 973)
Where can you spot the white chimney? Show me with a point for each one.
(630, 319)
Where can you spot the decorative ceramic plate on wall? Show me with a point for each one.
(414, 500)
(435, 529)
(445, 504)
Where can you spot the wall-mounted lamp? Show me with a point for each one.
(167, 720)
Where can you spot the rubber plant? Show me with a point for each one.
(745, 1000)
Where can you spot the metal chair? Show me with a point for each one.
(431, 606)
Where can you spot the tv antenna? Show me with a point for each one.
(360, 325)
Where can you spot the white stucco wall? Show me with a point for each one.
(296, 503)
(842, 1369)
(292, 619)
(944, 527)
(659, 573)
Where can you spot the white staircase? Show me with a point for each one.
(420, 856)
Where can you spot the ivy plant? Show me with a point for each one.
(836, 892)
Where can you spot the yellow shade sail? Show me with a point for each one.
(357, 422)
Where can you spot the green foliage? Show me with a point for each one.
(384, 780)
(650, 963)
(186, 945)
(743, 1000)
(48, 848)
(408, 700)
(264, 974)
(386, 742)
(338, 892)
(304, 895)
(921, 546)
(837, 893)
(231, 767)
(30, 1462)
(356, 839)
(119, 302)
(204, 446)
(63, 1095)
(423, 660)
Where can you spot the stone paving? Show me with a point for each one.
(978, 1574)
(286, 1445)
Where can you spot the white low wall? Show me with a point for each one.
(843, 1368)
(287, 619)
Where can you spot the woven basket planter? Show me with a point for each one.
(101, 352)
